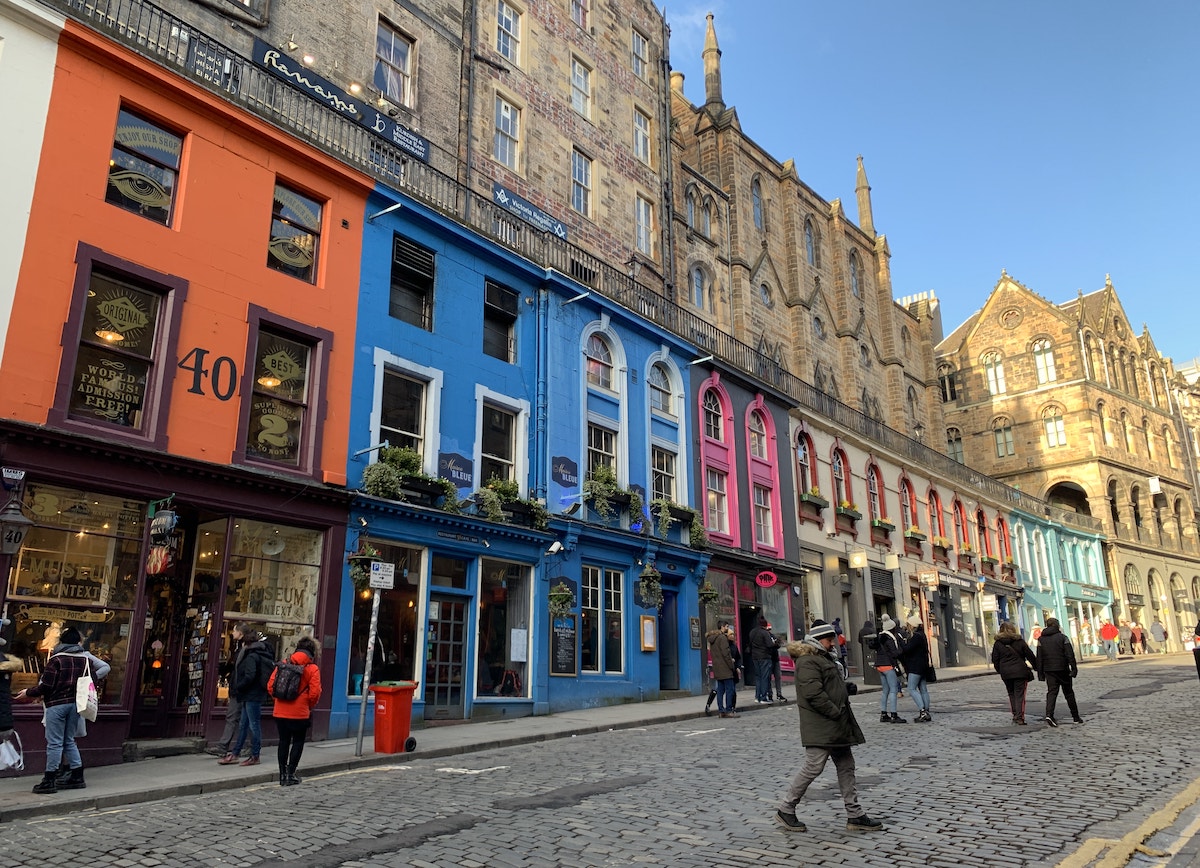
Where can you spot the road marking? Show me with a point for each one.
(1120, 851)
(688, 733)
(76, 816)
(472, 771)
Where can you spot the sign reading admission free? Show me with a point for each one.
(302, 78)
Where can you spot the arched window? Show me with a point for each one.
(908, 505)
(691, 210)
(1127, 431)
(806, 480)
(764, 293)
(1105, 433)
(1056, 431)
(1135, 506)
(659, 380)
(1178, 510)
(1089, 350)
(756, 202)
(1155, 395)
(1040, 558)
(954, 445)
(854, 278)
(1002, 432)
(993, 371)
(708, 213)
(599, 362)
(757, 431)
(701, 297)
(1023, 547)
(1168, 446)
(1133, 375)
(937, 521)
(981, 533)
(962, 531)
(1146, 439)
(1114, 509)
(910, 400)
(818, 328)
(1133, 580)
(948, 381)
(875, 503)
(1003, 547)
(1043, 359)
(810, 244)
(714, 427)
(842, 492)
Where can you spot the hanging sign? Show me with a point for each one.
(766, 579)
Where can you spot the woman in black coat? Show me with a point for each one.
(1010, 656)
(914, 657)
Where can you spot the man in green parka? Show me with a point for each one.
(828, 729)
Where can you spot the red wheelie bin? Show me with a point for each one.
(393, 716)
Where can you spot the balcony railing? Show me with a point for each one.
(156, 34)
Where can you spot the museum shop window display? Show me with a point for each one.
(78, 567)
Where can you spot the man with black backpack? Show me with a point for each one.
(249, 685)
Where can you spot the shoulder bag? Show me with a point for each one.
(87, 703)
(12, 754)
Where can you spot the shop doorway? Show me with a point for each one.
(947, 621)
(445, 656)
(668, 643)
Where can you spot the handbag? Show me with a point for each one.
(12, 756)
(86, 701)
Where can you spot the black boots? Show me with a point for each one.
(73, 781)
(923, 716)
(48, 784)
(898, 719)
(287, 776)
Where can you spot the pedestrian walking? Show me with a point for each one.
(1012, 659)
(1138, 638)
(776, 666)
(887, 662)
(724, 670)
(762, 657)
(233, 707)
(68, 662)
(1196, 647)
(292, 716)
(1159, 634)
(1056, 665)
(1109, 635)
(1126, 634)
(250, 686)
(914, 657)
(828, 729)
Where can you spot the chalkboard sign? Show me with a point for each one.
(694, 630)
(564, 646)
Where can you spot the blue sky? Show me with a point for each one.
(1056, 139)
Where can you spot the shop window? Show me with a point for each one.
(78, 566)
(295, 234)
(143, 168)
(602, 640)
(397, 635)
(503, 643)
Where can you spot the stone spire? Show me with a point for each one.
(865, 221)
(712, 67)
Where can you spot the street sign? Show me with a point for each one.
(383, 576)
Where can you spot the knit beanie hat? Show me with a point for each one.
(888, 623)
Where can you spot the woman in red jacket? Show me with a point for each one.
(292, 715)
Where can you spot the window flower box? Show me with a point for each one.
(849, 512)
(883, 524)
(915, 534)
(811, 507)
(814, 498)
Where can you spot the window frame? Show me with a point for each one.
(581, 12)
(508, 31)
(993, 370)
(639, 62)
(604, 366)
(172, 292)
(582, 94)
(1055, 427)
(403, 75)
(581, 183)
(143, 155)
(420, 282)
(660, 471)
(501, 305)
(643, 225)
(1043, 358)
(756, 204)
(312, 438)
(661, 390)
(506, 138)
(280, 216)
(642, 125)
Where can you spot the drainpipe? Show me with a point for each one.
(668, 164)
(539, 481)
(470, 13)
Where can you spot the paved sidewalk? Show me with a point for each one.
(148, 780)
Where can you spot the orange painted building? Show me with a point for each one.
(180, 344)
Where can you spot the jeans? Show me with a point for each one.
(762, 679)
(1110, 648)
(918, 691)
(233, 724)
(61, 723)
(891, 686)
(291, 742)
(814, 763)
(725, 689)
(252, 724)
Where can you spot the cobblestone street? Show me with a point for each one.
(968, 789)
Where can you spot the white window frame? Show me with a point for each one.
(520, 409)
(506, 141)
(403, 76)
(639, 51)
(716, 498)
(581, 87)
(644, 223)
(764, 521)
(383, 361)
(508, 31)
(641, 144)
(581, 183)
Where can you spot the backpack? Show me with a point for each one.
(287, 680)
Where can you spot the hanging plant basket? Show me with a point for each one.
(360, 565)
(562, 600)
(650, 588)
(709, 596)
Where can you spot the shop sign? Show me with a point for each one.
(1137, 600)
(766, 579)
(564, 471)
(527, 211)
(928, 577)
(955, 581)
(457, 468)
(56, 613)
